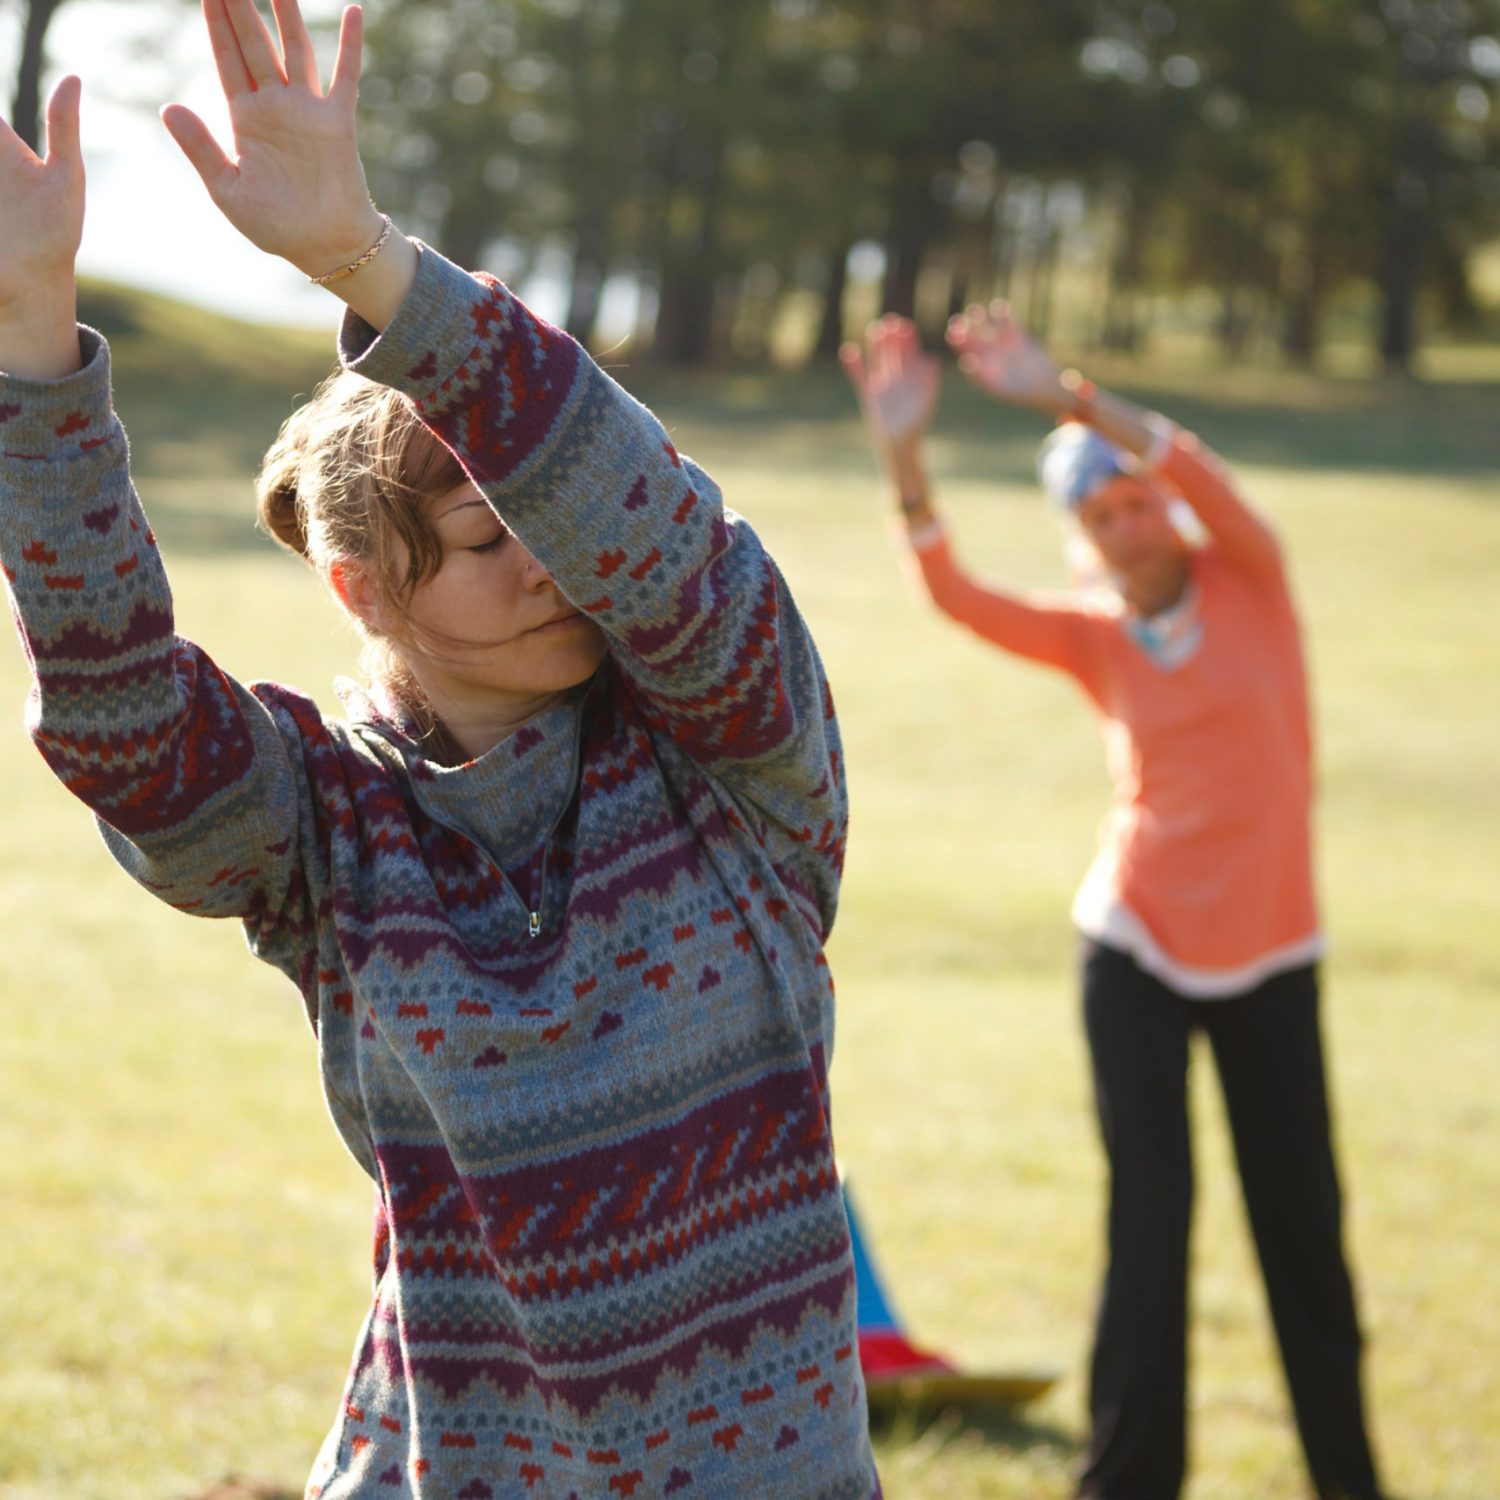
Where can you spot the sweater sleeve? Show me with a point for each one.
(191, 779)
(635, 534)
(1055, 634)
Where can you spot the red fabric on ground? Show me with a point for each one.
(886, 1354)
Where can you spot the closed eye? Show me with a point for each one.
(490, 546)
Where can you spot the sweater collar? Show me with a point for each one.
(508, 799)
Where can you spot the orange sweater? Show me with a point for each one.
(1204, 870)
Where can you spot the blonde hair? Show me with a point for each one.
(346, 481)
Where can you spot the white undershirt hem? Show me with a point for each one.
(1111, 922)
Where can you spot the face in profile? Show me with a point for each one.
(489, 623)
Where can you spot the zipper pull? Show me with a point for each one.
(535, 923)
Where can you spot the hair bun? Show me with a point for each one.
(278, 493)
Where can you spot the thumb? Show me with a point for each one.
(852, 358)
(200, 148)
(62, 122)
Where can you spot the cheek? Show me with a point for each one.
(592, 644)
(1100, 533)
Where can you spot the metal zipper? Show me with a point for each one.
(533, 917)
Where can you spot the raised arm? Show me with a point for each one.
(897, 386)
(1004, 361)
(41, 225)
(187, 771)
(633, 532)
(294, 185)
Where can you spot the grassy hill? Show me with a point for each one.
(202, 396)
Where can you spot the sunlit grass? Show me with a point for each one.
(187, 1242)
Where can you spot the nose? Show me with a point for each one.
(534, 577)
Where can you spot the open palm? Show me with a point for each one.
(295, 186)
(41, 202)
(1000, 357)
(896, 382)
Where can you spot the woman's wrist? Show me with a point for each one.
(39, 331)
(334, 252)
(377, 289)
(915, 509)
(1078, 397)
(369, 265)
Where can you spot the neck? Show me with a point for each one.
(471, 723)
(1149, 593)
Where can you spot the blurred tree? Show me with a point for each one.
(724, 154)
(26, 107)
(1436, 63)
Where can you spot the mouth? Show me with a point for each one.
(558, 622)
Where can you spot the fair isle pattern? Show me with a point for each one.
(610, 1257)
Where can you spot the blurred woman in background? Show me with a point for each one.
(1198, 912)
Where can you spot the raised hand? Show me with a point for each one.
(295, 186)
(1003, 360)
(896, 383)
(41, 225)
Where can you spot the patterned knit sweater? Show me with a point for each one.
(572, 1011)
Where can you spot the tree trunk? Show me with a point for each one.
(1405, 243)
(831, 324)
(465, 238)
(1039, 296)
(1235, 316)
(1302, 297)
(590, 265)
(1122, 330)
(912, 212)
(26, 113)
(684, 320)
(1398, 291)
(585, 294)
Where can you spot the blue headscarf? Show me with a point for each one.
(1075, 463)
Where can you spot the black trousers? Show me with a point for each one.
(1269, 1055)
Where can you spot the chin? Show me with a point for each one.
(577, 662)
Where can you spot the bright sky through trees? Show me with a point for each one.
(149, 221)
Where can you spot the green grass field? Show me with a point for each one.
(186, 1243)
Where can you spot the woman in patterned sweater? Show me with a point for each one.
(1198, 913)
(555, 894)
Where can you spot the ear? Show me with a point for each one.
(355, 589)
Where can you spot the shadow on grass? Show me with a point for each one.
(997, 1426)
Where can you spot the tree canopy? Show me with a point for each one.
(723, 158)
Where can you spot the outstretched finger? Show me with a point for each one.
(297, 53)
(200, 148)
(62, 122)
(852, 358)
(345, 81)
(256, 46)
(234, 76)
(959, 333)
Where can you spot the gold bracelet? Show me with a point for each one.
(361, 263)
